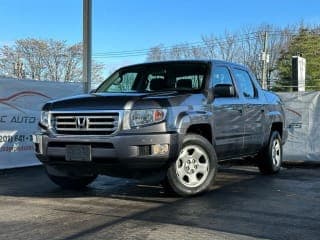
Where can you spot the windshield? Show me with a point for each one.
(154, 77)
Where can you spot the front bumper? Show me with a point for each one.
(129, 151)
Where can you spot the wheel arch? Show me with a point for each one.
(202, 129)
(277, 126)
(196, 123)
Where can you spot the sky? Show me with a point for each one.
(125, 25)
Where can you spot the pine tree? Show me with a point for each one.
(306, 44)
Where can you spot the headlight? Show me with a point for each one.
(44, 120)
(146, 117)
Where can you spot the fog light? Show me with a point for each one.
(160, 148)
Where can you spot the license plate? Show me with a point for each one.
(81, 153)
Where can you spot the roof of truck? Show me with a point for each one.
(212, 61)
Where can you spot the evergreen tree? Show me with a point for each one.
(306, 44)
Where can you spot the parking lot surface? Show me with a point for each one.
(243, 204)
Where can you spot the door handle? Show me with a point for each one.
(233, 108)
(238, 109)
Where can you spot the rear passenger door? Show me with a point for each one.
(253, 111)
(228, 117)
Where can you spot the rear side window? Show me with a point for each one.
(245, 83)
(221, 75)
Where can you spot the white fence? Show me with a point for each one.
(21, 101)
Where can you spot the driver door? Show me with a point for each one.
(228, 117)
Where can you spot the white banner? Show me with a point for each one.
(20, 104)
(303, 117)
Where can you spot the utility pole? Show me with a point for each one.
(86, 67)
(265, 60)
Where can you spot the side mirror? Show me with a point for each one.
(224, 90)
(92, 91)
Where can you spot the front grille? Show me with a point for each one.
(86, 123)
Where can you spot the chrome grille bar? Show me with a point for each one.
(104, 123)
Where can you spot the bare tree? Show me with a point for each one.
(244, 46)
(177, 52)
(54, 57)
(97, 69)
(228, 47)
(156, 53)
(72, 62)
(210, 49)
(45, 59)
(31, 51)
(9, 61)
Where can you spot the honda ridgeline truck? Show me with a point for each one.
(175, 118)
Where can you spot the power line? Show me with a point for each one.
(189, 46)
(169, 48)
(165, 49)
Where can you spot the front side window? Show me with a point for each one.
(123, 82)
(157, 77)
(245, 83)
(221, 75)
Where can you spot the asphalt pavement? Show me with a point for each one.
(243, 204)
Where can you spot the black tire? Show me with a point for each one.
(270, 158)
(194, 171)
(70, 182)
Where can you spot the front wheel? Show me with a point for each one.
(270, 158)
(69, 181)
(195, 168)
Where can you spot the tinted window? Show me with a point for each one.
(245, 83)
(182, 76)
(186, 81)
(221, 75)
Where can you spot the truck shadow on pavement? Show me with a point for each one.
(33, 182)
(241, 203)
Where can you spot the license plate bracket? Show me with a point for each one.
(80, 153)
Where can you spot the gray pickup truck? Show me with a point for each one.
(175, 119)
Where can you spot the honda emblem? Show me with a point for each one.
(81, 122)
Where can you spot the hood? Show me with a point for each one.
(116, 101)
(272, 97)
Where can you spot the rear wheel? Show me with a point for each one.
(68, 181)
(270, 159)
(195, 168)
